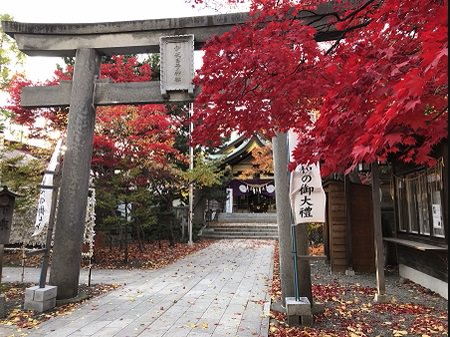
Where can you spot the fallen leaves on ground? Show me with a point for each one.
(317, 250)
(154, 255)
(351, 312)
(27, 319)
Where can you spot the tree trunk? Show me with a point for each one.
(140, 237)
(280, 162)
(126, 243)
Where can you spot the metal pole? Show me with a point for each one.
(22, 276)
(293, 229)
(294, 255)
(191, 185)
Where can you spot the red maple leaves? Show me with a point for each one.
(124, 134)
(380, 90)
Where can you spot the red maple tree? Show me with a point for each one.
(379, 86)
(123, 133)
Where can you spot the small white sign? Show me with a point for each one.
(229, 201)
(437, 216)
(177, 63)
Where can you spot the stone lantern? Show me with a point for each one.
(7, 201)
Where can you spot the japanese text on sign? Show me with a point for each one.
(307, 195)
(177, 63)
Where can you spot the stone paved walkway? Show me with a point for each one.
(220, 291)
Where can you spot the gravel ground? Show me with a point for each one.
(350, 310)
(397, 289)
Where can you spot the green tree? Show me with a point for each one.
(10, 56)
(22, 174)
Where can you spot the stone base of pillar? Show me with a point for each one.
(381, 298)
(349, 272)
(40, 299)
(299, 311)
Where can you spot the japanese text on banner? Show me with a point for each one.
(307, 195)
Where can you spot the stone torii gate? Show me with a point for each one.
(88, 42)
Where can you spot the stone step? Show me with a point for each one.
(243, 226)
(247, 217)
(239, 230)
(220, 236)
(242, 232)
(236, 226)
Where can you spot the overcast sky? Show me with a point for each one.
(83, 11)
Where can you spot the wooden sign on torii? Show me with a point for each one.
(88, 42)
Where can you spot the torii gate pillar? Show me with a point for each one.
(69, 229)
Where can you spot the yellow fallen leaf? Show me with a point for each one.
(273, 329)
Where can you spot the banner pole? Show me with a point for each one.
(293, 231)
(51, 222)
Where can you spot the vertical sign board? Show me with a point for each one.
(45, 196)
(177, 63)
(229, 201)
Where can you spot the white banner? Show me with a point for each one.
(229, 201)
(307, 195)
(45, 196)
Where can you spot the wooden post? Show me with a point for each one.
(65, 271)
(348, 220)
(283, 205)
(304, 267)
(380, 296)
(2, 247)
(2, 297)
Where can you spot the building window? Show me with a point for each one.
(419, 201)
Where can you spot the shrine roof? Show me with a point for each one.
(240, 148)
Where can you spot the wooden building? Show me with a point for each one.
(420, 237)
(414, 215)
(348, 230)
